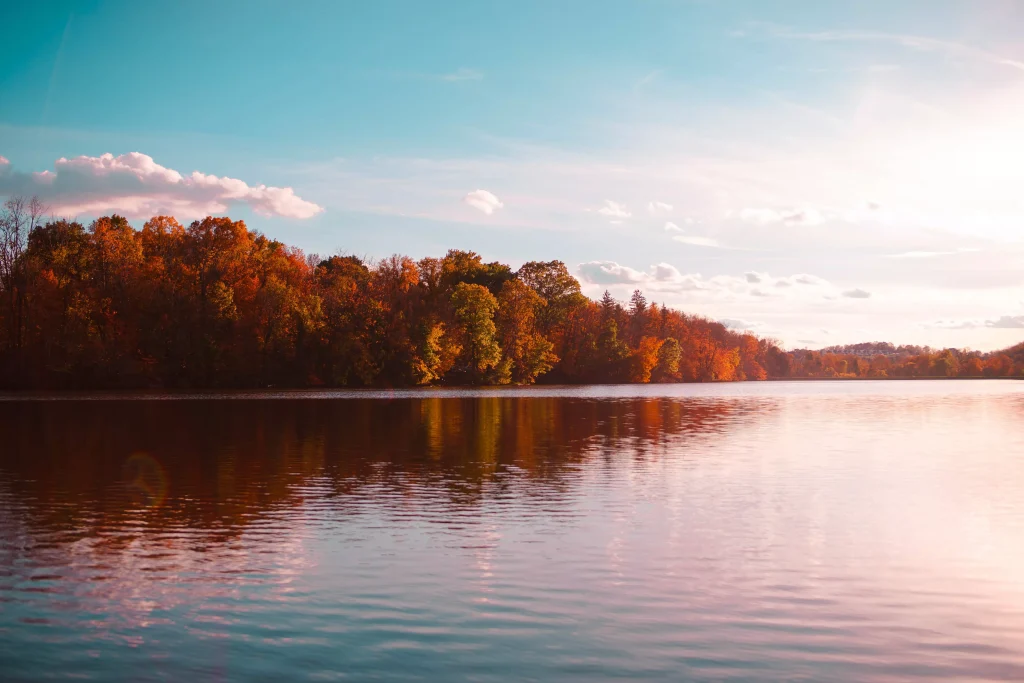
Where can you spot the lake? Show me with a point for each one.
(840, 531)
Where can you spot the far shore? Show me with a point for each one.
(151, 392)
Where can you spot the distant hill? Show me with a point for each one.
(1016, 353)
(885, 360)
(889, 350)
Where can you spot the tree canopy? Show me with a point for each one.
(215, 304)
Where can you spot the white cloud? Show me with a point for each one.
(664, 277)
(659, 208)
(1009, 322)
(614, 210)
(805, 279)
(697, 241)
(665, 272)
(610, 273)
(136, 186)
(801, 279)
(1005, 322)
(740, 325)
(692, 240)
(484, 201)
(857, 294)
(788, 216)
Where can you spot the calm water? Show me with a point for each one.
(852, 531)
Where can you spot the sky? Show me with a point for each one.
(816, 172)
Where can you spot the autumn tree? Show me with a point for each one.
(644, 359)
(999, 365)
(612, 353)
(346, 352)
(468, 267)
(707, 352)
(474, 308)
(557, 287)
(670, 354)
(946, 364)
(530, 352)
(727, 365)
(972, 367)
(62, 321)
(637, 316)
(777, 363)
(751, 358)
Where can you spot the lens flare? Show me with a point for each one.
(145, 480)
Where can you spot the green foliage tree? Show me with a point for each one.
(669, 356)
(474, 308)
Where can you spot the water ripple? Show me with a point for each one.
(868, 531)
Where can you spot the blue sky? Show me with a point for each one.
(818, 172)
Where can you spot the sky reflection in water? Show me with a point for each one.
(840, 531)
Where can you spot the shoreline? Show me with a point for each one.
(406, 392)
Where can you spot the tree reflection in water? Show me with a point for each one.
(219, 464)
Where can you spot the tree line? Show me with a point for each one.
(215, 304)
(880, 361)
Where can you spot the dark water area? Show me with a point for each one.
(867, 531)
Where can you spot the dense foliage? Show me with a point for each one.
(215, 304)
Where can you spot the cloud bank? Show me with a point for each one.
(136, 186)
(664, 277)
(1003, 322)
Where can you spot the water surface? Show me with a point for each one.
(842, 531)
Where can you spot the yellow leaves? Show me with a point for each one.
(222, 301)
(436, 355)
(644, 358)
(726, 365)
(474, 309)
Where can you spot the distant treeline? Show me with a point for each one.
(217, 305)
(881, 360)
